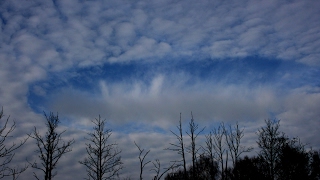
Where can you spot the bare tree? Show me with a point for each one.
(8, 152)
(209, 150)
(157, 169)
(179, 147)
(233, 139)
(51, 147)
(104, 160)
(193, 150)
(218, 142)
(223, 142)
(271, 141)
(156, 164)
(141, 159)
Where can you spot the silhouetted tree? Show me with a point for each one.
(204, 169)
(157, 169)
(271, 141)
(233, 139)
(8, 152)
(209, 150)
(193, 150)
(141, 159)
(156, 164)
(223, 142)
(104, 160)
(51, 147)
(293, 161)
(179, 147)
(250, 169)
(314, 165)
(220, 149)
(178, 174)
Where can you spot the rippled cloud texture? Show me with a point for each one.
(140, 63)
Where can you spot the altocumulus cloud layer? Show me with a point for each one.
(140, 63)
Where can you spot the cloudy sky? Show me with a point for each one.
(140, 64)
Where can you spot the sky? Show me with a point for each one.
(139, 64)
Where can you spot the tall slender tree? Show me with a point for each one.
(210, 153)
(220, 148)
(51, 147)
(193, 150)
(180, 147)
(103, 160)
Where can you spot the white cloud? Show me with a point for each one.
(125, 34)
(95, 31)
(301, 116)
(40, 38)
(164, 99)
(145, 48)
(139, 18)
(156, 84)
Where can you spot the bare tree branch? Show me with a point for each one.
(157, 169)
(141, 158)
(7, 152)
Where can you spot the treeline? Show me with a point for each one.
(279, 157)
(221, 156)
